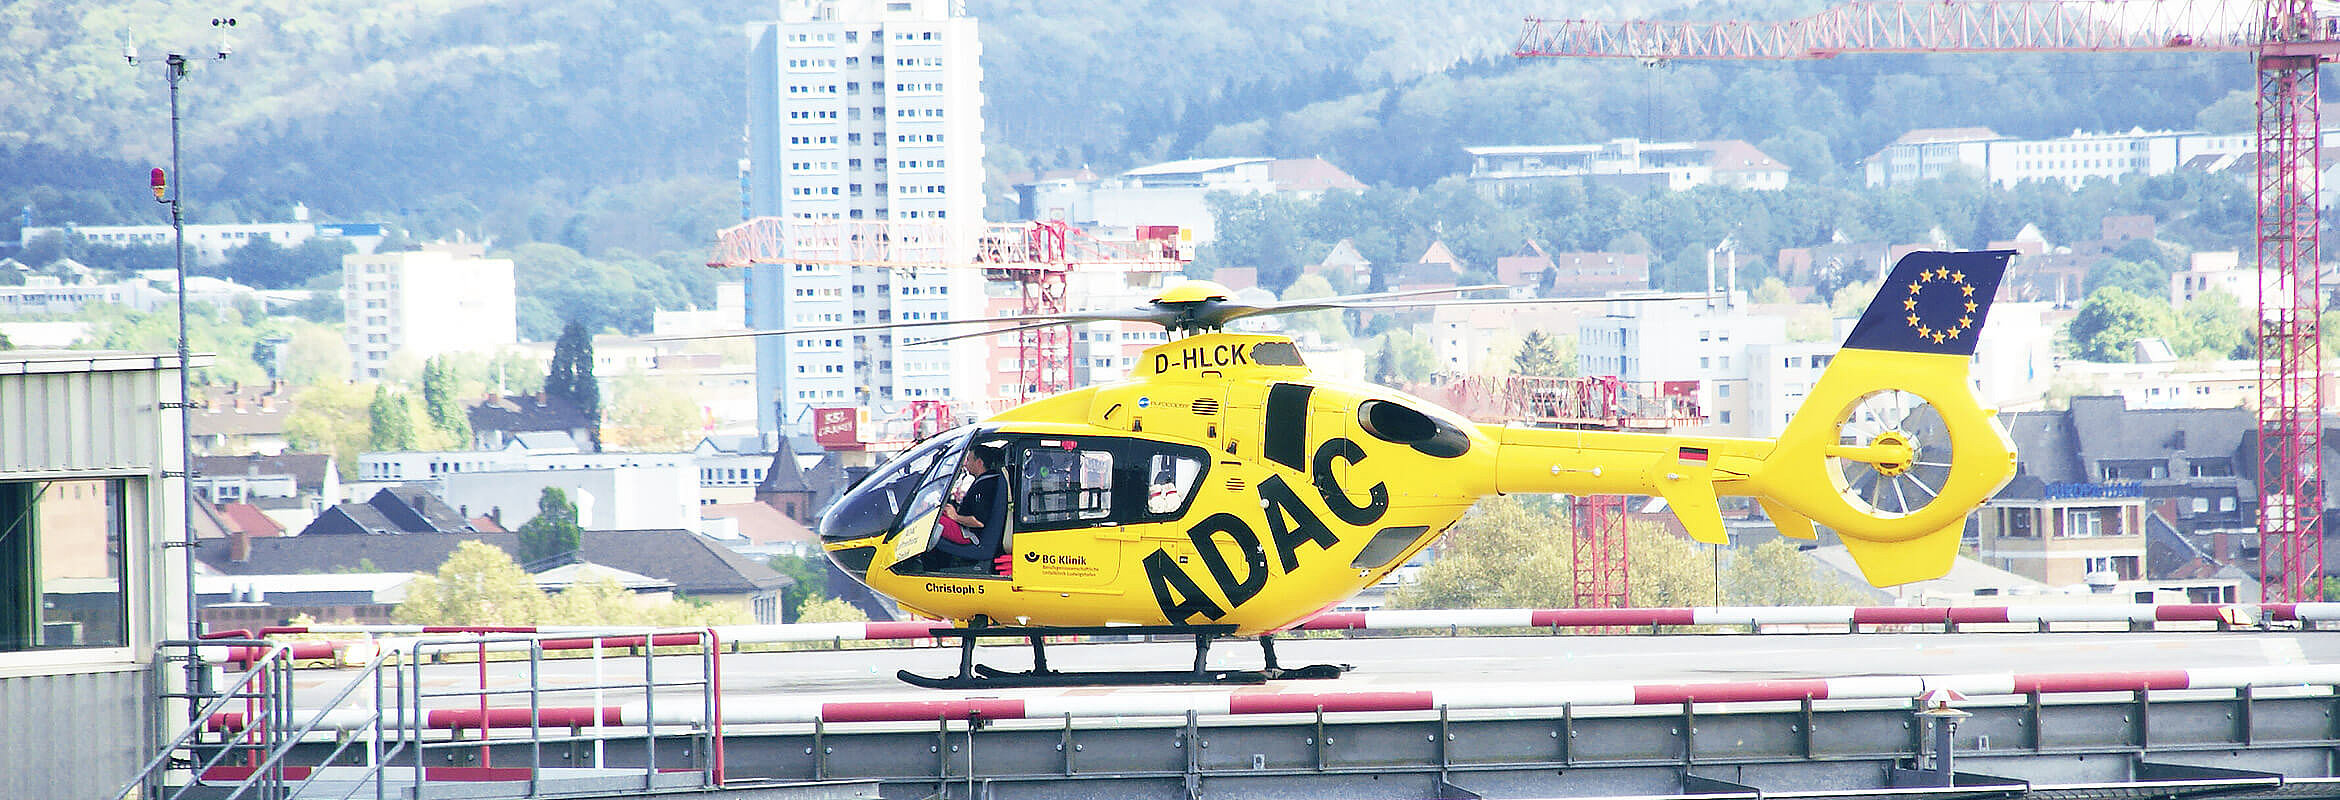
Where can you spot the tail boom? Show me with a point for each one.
(1895, 408)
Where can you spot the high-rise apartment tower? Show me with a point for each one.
(864, 110)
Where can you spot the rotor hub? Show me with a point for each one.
(1901, 450)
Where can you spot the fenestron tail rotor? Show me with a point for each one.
(1893, 456)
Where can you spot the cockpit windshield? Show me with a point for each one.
(876, 506)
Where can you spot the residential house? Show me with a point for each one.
(760, 528)
(291, 488)
(700, 568)
(498, 418)
(238, 419)
(1343, 265)
(400, 510)
(1595, 274)
(2091, 478)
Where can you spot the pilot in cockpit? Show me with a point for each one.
(980, 512)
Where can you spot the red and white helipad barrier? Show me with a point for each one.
(1849, 617)
(1274, 700)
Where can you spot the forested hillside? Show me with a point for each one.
(593, 123)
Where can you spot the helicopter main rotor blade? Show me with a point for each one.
(992, 332)
(1131, 315)
(1528, 301)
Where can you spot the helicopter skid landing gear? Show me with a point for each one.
(977, 676)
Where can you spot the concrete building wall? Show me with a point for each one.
(83, 712)
(422, 303)
(650, 496)
(1682, 341)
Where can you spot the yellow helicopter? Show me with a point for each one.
(1225, 490)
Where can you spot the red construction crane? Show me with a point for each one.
(1037, 256)
(2289, 41)
(1601, 577)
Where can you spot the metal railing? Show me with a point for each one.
(387, 727)
(265, 690)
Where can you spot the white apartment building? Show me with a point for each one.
(208, 244)
(1628, 163)
(864, 111)
(1929, 154)
(1178, 192)
(612, 491)
(1684, 340)
(729, 314)
(440, 299)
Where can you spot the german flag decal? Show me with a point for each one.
(1694, 456)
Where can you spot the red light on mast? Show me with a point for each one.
(160, 183)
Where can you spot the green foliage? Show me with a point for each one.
(649, 416)
(553, 531)
(2213, 325)
(829, 609)
(570, 376)
(1327, 325)
(331, 417)
(1541, 354)
(617, 291)
(1514, 552)
(811, 574)
(1506, 553)
(1776, 573)
(1404, 357)
(266, 264)
(439, 400)
(481, 585)
(2111, 320)
(477, 585)
(390, 421)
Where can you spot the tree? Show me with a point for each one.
(553, 531)
(1508, 552)
(481, 585)
(1777, 573)
(811, 574)
(2111, 321)
(1327, 325)
(570, 377)
(439, 404)
(330, 418)
(646, 416)
(1405, 358)
(2214, 325)
(315, 355)
(1540, 355)
(1515, 552)
(390, 421)
(477, 585)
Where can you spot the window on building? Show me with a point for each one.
(61, 555)
(2016, 523)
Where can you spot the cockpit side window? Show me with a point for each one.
(1088, 481)
(1065, 485)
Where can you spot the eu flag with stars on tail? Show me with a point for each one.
(1933, 302)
